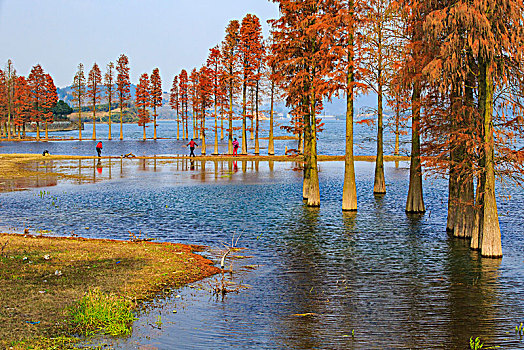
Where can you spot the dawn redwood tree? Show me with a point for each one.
(22, 104)
(109, 83)
(416, 52)
(343, 18)
(3, 103)
(94, 92)
(10, 79)
(298, 36)
(381, 44)
(143, 101)
(193, 91)
(213, 63)
(230, 58)
(79, 94)
(156, 95)
(260, 67)
(205, 98)
(50, 101)
(37, 83)
(480, 49)
(250, 51)
(271, 77)
(123, 86)
(183, 90)
(174, 103)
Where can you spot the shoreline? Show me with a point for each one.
(44, 277)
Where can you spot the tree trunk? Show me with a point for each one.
(349, 190)
(121, 123)
(154, 122)
(257, 145)
(415, 200)
(215, 151)
(109, 122)
(313, 199)
(244, 133)
(230, 119)
(94, 123)
(46, 131)
(144, 137)
(38, 131)
(380, 183)
(452, 196)
(203, 131)
(491, 242)
(307, 151)
(271, 142)
(79, 123)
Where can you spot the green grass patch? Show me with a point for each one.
(100, 312)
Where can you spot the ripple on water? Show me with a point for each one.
(399, 281)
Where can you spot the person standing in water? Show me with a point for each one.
(99, 148)
(192, 144)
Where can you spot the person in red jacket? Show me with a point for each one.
(192, 144)
(99, 148)
(235, 146)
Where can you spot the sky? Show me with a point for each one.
(169, 34)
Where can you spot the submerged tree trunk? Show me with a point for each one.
(380, 183)
(490, 244)
(307, 151)
(271, 142)
(415, 200)
(313, 199)
(349, 191)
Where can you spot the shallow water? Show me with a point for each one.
(398, 281)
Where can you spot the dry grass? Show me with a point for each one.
(42, 277)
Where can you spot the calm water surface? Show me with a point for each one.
(398, 281)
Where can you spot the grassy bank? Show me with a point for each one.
(55, 287)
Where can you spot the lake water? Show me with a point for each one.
(331, 140)
(312, 275)
(398, 281)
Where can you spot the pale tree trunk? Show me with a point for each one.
(215, 151)
(79, 123)
(415, 200)
(187, 122)
(257, 145)
(349, 190)
(221, 121)
(251, 135)
(230, 119)
(244, 111)
(380, 183)
(46, 131)
(271, 142)
(491, 242)
(452, 196)
(94, 122)
(195, 131)
(121, 123)
(38, 131)
(313, 199)
(154, 122)
(144, 137)
(203, 131)
(307, 152)
(109, 122)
